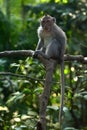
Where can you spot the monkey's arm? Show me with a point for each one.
(40, 49)
(40, 44)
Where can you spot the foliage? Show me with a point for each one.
(19, 94)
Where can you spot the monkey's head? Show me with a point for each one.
(47, 22)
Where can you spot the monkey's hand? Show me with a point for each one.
(36, 53)
(39, 52)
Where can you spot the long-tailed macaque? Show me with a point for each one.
(52, 42)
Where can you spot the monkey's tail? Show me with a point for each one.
(62, 93)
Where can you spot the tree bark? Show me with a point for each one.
(44, 98)
(26, 53)
(49, 66)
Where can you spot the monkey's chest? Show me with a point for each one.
(47, 41)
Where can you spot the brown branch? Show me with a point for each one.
(79, 58)
(49, 66)
(28, 78)
(23, 77)
(16, 53)
(20, 76)
(26, 53)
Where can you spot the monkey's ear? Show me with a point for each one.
(54, 19)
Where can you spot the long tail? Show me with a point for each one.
(62, 93)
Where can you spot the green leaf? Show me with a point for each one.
(70, 128)
(85, 97)
(55, 108)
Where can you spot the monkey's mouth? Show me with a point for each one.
(46, 28)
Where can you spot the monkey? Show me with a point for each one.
(52, 42)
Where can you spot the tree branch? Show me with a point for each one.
(27, 77)
(20, 76)
(17, 53)
(79, 58)
(49, 66)
(26, 53)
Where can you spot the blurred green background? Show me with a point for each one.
(19, 108)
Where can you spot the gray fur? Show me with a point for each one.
(52, 43)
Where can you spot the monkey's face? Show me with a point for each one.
(47, 22)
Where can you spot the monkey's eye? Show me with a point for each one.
(48, 21)
(43, 21)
